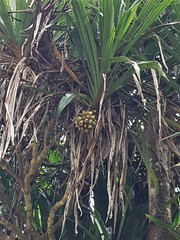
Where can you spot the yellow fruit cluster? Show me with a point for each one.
(86, 120)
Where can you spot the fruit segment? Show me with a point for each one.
(86, 120)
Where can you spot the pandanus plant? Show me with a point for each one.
(107, 36)
(101, 96)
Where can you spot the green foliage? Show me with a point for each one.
(123, 41)
(106, 35)
(15, 20)
(174, 233)
(65, 100)
(54, 156)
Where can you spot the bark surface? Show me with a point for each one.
(159, 158)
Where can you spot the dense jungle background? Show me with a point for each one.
(89, 119)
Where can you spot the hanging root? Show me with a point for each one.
(35, 163)
(50, 229)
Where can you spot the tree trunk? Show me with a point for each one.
(160, 164)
